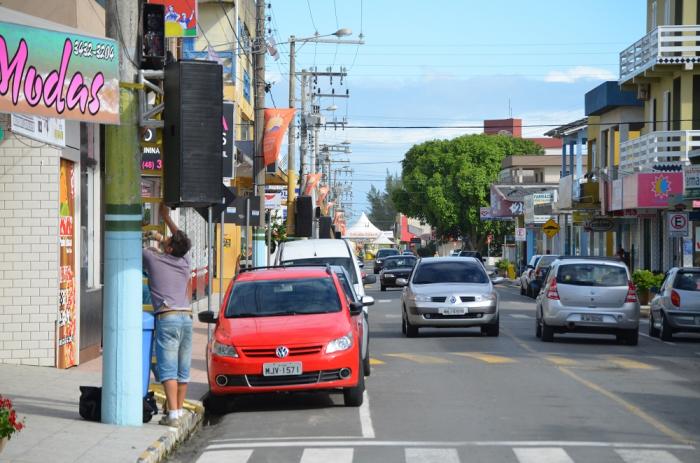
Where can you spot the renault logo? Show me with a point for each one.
(282, 352)
(453, 300)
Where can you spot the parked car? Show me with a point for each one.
(475, 254)
(528, 273)
(395, 267)
(381, 255)
(676, 307)
(449, 292)
(285, 329)
(535, 284)
(588, 295)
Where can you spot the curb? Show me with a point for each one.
(172, 437)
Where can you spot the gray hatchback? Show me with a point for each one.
(676, 307)
(588, 295)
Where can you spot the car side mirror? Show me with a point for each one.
(206, 316)
(367, 300)
(369, 279)
(496, 280)
(356, 308)
(401, 282)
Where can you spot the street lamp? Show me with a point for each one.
(291, 171)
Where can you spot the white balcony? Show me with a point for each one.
(665, 45)
(670, 148)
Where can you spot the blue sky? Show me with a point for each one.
(447, 63)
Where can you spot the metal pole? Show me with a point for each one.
(210, 256)
(302, 133)
(259, 163)
(291, 172)
(247, 230)
(269, 236)
(122, 388)
(314, 169)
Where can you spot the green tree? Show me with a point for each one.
(382, 212)
(445, 182)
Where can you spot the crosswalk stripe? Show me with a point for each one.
(488, 358)
(542, 455)
(336, 455)
(374, 361)
(420, 358)
(561, 361)
(226, 456)
(431, 456)
(646, 456)
(521, 316)
(628, 363)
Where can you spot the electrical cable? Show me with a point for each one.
(312, 16)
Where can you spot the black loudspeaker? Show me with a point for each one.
(192, 164)
(324, 227)
(153, 38)
(304, 220)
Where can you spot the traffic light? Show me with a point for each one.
(153, 36)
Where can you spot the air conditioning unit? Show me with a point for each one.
(643, 92)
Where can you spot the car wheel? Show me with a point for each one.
(353, 396)
(403, 322)
(217, 404)
(547, 332)
(522, 289)
(654, 332)
(409, 330)
(538, 327)
(491, 329)
(666, 330)
(382, 288)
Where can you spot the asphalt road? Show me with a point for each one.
(453, 396)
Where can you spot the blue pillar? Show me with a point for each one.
(530, 244)
(563, 160)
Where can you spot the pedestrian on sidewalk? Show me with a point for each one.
(169, 277)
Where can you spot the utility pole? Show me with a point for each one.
(122, 393)
(302, 133)
(259, 252)
(291, 172)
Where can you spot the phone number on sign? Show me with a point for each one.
(93, 50)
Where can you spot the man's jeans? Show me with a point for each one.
(174, 347)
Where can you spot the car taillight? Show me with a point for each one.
(675, 298)
(631, 293)
(552, 292)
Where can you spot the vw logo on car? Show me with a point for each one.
(282, 352)
(453, 300)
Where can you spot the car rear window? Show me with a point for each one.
(267, 298)
(546, 261)
(387, 252)
(590, 274)
(449, 272)
(687, 281)
(344, 262)
(396, 262)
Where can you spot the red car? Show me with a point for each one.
(285, 329)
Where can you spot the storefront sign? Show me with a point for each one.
(180, 17)
(616, 201)
(227, 139)
(43, 129)
(67, 316)
(58, 74)
(151, 150)
(692, 181)
(677, 224)
(600, 224)
(648, 191)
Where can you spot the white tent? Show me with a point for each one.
(382, 240)
(363, 229)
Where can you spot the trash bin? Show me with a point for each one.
(148, 329)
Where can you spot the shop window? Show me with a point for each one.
(89, 206)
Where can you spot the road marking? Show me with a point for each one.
(383, 301)
(542, 455)
(488, 358)
(664, 429)
(628, 363)
(374, 361)
(366, 418)
(431, 456)
(521, 316)
(325, 455)
(276, 442)
(646, 456)
(420, 358)
(561, 361)
(657, 340)
(392, 315)
(227, 456)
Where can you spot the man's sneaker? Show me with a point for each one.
(167, 421)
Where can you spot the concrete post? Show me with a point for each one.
(259, 248)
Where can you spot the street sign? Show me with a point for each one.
(692, 181)
(520, 234)
(550, 228)
(601, 224)
(678, 224)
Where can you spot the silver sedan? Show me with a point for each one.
(449, 292)
(676, 307)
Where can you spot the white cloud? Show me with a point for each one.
(570, 76)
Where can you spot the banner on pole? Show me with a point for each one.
(276, 124)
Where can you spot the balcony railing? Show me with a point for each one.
(656, 149)
(663, 45)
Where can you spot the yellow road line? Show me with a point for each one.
(488, 358)
(561, 361)
(374, 361)
(420, 358)
(638, 412)
(628, 363)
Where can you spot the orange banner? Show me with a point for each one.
(311, 182)
(67, 310)
(276, 124)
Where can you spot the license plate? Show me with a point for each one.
(453, 311)
(591, 318)
(282, 369)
